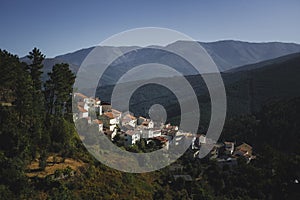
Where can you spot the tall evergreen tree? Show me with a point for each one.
(58, 90)
(40, 135)
(35, 67)
(24, 91)
(9, 65)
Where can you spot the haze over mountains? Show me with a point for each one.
(247, 89)
(227, 55)
(231, 54)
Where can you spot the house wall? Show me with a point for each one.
(156, 133)
(113, 121)
(114, 133)
(151, 124)
(100, 127)
(83, 114)
(112, 127)
(98, 108)
(132, 123)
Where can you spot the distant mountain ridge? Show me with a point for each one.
(227, 54)
(265, 63)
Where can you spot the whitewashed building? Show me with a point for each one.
(99, 124)
(112, 120)
(129, 119)
(131, 137)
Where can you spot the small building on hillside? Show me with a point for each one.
(112, 120)
(131, 137)
(149, 124)
(117, 115)
(110, 134)
(99, 124)
(244, 150)
(228, 148)
(146, 133)
(128, 119)
(83, 113)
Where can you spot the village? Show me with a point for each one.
(131, 129)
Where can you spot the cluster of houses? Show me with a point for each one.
(225, 153)
(112, 122)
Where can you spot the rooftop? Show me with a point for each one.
(81, 109)
(110, 115)
(97, 121)
(80, 95)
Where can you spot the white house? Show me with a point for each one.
(83, 113)
(129, 119)
(131, 137)
(112, 120)
(147, 133)
(111, 134)
(86, 106)
(100, 124)
(156, 133)
(229, 147)
(98, 109)
(117, 115)
(148, 124)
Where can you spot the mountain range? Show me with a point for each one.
(253, 74)
(227, 54)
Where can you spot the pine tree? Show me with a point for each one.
(24, 98)
(58, 90)
(40, 136)
(35, 68)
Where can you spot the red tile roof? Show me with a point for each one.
(80, 95)
(161, 139)
(109, 115)
(97, 121)
(130, 132)
(81, 109)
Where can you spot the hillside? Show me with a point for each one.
(227, 55)
(247, 90)
(274, 79)
(42, 157)
(264, 63)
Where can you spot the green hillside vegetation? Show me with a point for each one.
(41, 156)
(247, 90)
(275, 79)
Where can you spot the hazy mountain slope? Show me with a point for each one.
(264, 63)
(257, 86)
(226, 54)
(76, 57)
(246, 90)
(230, 54)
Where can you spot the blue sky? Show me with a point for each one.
(58, 27)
